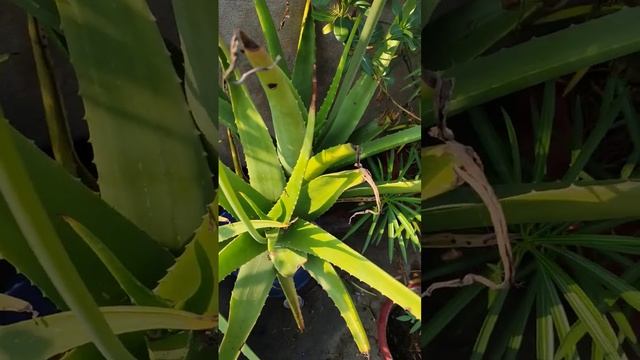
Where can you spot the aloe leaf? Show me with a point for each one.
(245, 190)
(139, 294)
(302, 77)
(247, 299)
(236, 253)
(439, 175)
(40, 339)
(324, 273)
(43, 10)
(321, 193)
(191, 283)
(35, 223)
(246, 350)
(308, 238)
(329, 99)
(518, 67)
(391, 187)
(149, 159)
(270, 32)
(288, 119)
(11, 303)
(225, 114)
(327, 158)
(238, 207)
(289, 288)
(482, 340)
(230, 231)
(597, 325)
(466, 32)
(547, 202)
(193, 19)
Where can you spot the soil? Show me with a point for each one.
(402, 344)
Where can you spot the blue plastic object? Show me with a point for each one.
(17, 285)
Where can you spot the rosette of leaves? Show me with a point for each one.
(291, 183)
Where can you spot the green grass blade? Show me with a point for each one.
(513, 343)
(558, 314)
(482, 340)
(569, 342)
(308, 238)
(597, 325)
(518, 67)
(247, 299)
(270, 32)
(324, 273)
(544, 324)
(453, 307)
(37, 227)
(193, 19)
(543, 129)
(138, 293)
(40, 339)
(288, 119)
(302, 77)
(149, 158)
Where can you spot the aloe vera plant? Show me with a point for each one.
(140, 254)
(292, 183)
(580, 291)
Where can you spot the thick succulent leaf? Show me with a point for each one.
(265, 172)
(529, 203)
(43, 10)
(288, 119)
(40, 339)
(321, 193)
(245, 191)
(309, 238)
(246, 350)
(327, 158)
(520, 66)
(438, 172)
(249, 294)
(270, 32)
(289, 288)
(150, 161)
(196, 29)
(230, 231)
(192, 282)
(324, 273)
(391, 187)
(35, 223)
(236, 253)
(63, 195)
(138, 293)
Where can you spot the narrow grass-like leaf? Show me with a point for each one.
(518, 324)
(40, 339)
(150, 161)
(482, 340)
(247, 299)
(453, 307)
(518, 67)
(596, 323)
(544, 323)
(492, 143)
(569, 342)
(39, 232)
(306, 237)
(515, 147)
(558, 314)
(324, 273)
(543, 131)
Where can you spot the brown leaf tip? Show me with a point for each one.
(248, 43)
